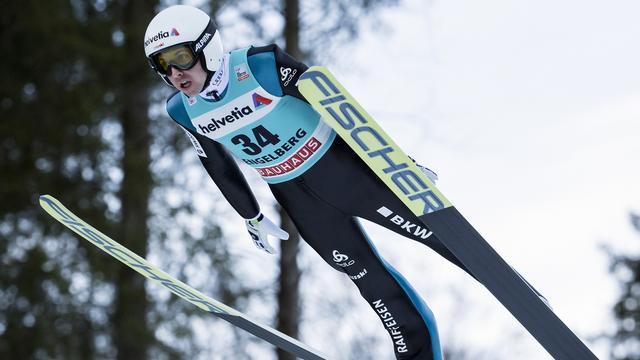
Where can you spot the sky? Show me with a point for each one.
(529, 112)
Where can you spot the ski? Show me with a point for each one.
(360, 131)
(59, 212)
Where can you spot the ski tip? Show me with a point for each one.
(46, 201)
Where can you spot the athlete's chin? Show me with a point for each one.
(189, 90)
(190, 93)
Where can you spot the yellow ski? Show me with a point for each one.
(54, 208)
(367, 139)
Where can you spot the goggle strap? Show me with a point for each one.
(204, 38)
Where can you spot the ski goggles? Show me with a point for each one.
(180, 56)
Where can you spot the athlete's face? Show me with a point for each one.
(191, 81)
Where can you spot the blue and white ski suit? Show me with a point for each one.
(262, 119)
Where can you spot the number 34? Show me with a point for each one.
(263, 137)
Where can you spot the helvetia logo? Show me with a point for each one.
(237, 113)
(260, 101)
(161, 35)
(233, 115)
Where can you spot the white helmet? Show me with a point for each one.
(179, 36)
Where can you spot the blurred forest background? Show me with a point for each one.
(82, 119)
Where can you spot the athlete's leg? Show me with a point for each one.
(339, 240)
(345, 181)
(387, 210)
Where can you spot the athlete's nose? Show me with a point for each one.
(174, 70)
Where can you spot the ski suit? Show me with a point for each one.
(262, 119)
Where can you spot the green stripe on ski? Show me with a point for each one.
(353, 124)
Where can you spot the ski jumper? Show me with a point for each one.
(262, 119)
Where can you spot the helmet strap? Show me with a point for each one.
(216, 81)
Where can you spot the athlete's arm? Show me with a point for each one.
(220, 165)
(270, 62)
(224, 171)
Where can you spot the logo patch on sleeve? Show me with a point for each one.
(196, 144)
(241, 72)
(286, 75)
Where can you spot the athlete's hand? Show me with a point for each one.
(430, 173)
(260, 227)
